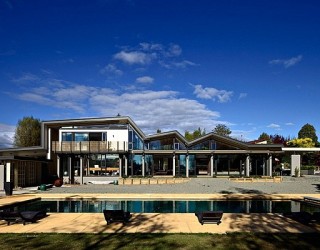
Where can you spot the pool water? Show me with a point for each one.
(167, 206)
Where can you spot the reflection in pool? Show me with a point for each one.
(167, 206)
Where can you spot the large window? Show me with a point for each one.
(67, 136)
(135, 141)
(81, 137)
(103, 165)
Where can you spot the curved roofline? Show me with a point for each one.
(174, 132)
(127, 120)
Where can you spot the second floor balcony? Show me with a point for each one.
(85, 147)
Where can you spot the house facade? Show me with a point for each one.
(102, 149)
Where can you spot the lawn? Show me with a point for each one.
(161, 241)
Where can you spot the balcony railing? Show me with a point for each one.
(89, 147)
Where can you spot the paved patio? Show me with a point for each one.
(156, 222)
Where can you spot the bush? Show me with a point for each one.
(308, 167)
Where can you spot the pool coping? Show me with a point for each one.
(158, 222)
(19, 198)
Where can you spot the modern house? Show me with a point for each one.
(82, 150)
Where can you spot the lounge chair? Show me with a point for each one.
(32, 216)
(302, 217)
(209, 217)
(22, 217)
(10, 217)
(116, 215)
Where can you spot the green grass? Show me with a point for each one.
(232, 241)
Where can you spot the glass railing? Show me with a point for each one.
(89, 146)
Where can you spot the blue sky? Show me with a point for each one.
(251, 65)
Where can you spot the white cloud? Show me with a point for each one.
(26, 77)
(287, 62)
(133, 57)
(274, 126)
(111, 69)
(148, 53)
(243, 95)
(6, 135)
(212, 93)
(158, 109)
(151, 46)
(289, 124)
(149, 109)
(144, 79)
(174, 50)
(183, 64)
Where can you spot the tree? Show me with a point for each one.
(28, 132)
(195, 134)
(301, 143)
(308, 131)
(222, 129)
(278, 139)
(264, 136)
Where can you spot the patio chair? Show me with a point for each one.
(209, 217)
(302, 217)
(32, 216)
(10, 217)
(22, 217)
(116, 215)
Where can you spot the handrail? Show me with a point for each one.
(89, 146)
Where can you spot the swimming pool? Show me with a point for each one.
(167, 206)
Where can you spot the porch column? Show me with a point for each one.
(70, 169)
(174, 165)
(120, 167)
(269, 166)
(2, 177)
(49, 144)
(58, 166)
(211, 165)
(187, 166)
(125, 166)
(81, 170)
(143, 166)
(295, 165)
(247, 166)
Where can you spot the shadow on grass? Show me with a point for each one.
(235, 241)
(144, 223)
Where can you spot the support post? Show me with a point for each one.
(211, 165)
(49, 144)
(143, 166)
(174, 165)
(247, 166)
(120, 167)
(187, 165)
(81, 170)
(269, 166)
(295, 165)
(8, 185)
(125, 166)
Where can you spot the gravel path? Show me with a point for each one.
(290, 185)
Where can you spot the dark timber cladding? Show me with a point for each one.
(82, 150)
